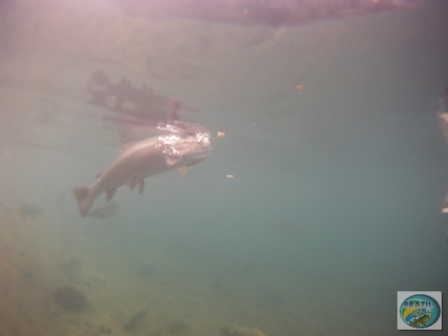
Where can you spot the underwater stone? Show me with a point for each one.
(69, 298)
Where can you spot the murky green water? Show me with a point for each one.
(320, 200)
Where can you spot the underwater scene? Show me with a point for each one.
(223, 168)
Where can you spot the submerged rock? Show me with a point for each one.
(69, 298)
(236, 330)
(136, 320)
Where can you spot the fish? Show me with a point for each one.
(420, 320)
(29, 210)
(183, 144)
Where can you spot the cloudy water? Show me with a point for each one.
(317, 199)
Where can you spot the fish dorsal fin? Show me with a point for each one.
(173, 109)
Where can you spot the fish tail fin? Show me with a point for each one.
(85, 198)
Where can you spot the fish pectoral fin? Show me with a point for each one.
(183, 170)
(132, 183)
(171, 160)
(136, 181)
(141, 185)
(110, 193)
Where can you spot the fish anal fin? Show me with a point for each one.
(110, 193)
(132, 183)
(85, 197)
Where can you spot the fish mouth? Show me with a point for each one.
(195, 148)
(198, 149)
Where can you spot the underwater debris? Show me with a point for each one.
(70, 299)
(28, 210)
(136, 320)
(236, 330)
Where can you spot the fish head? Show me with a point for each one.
(194, 148)
(186, 148)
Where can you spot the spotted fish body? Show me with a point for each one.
(422, 320)
(180, 147)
